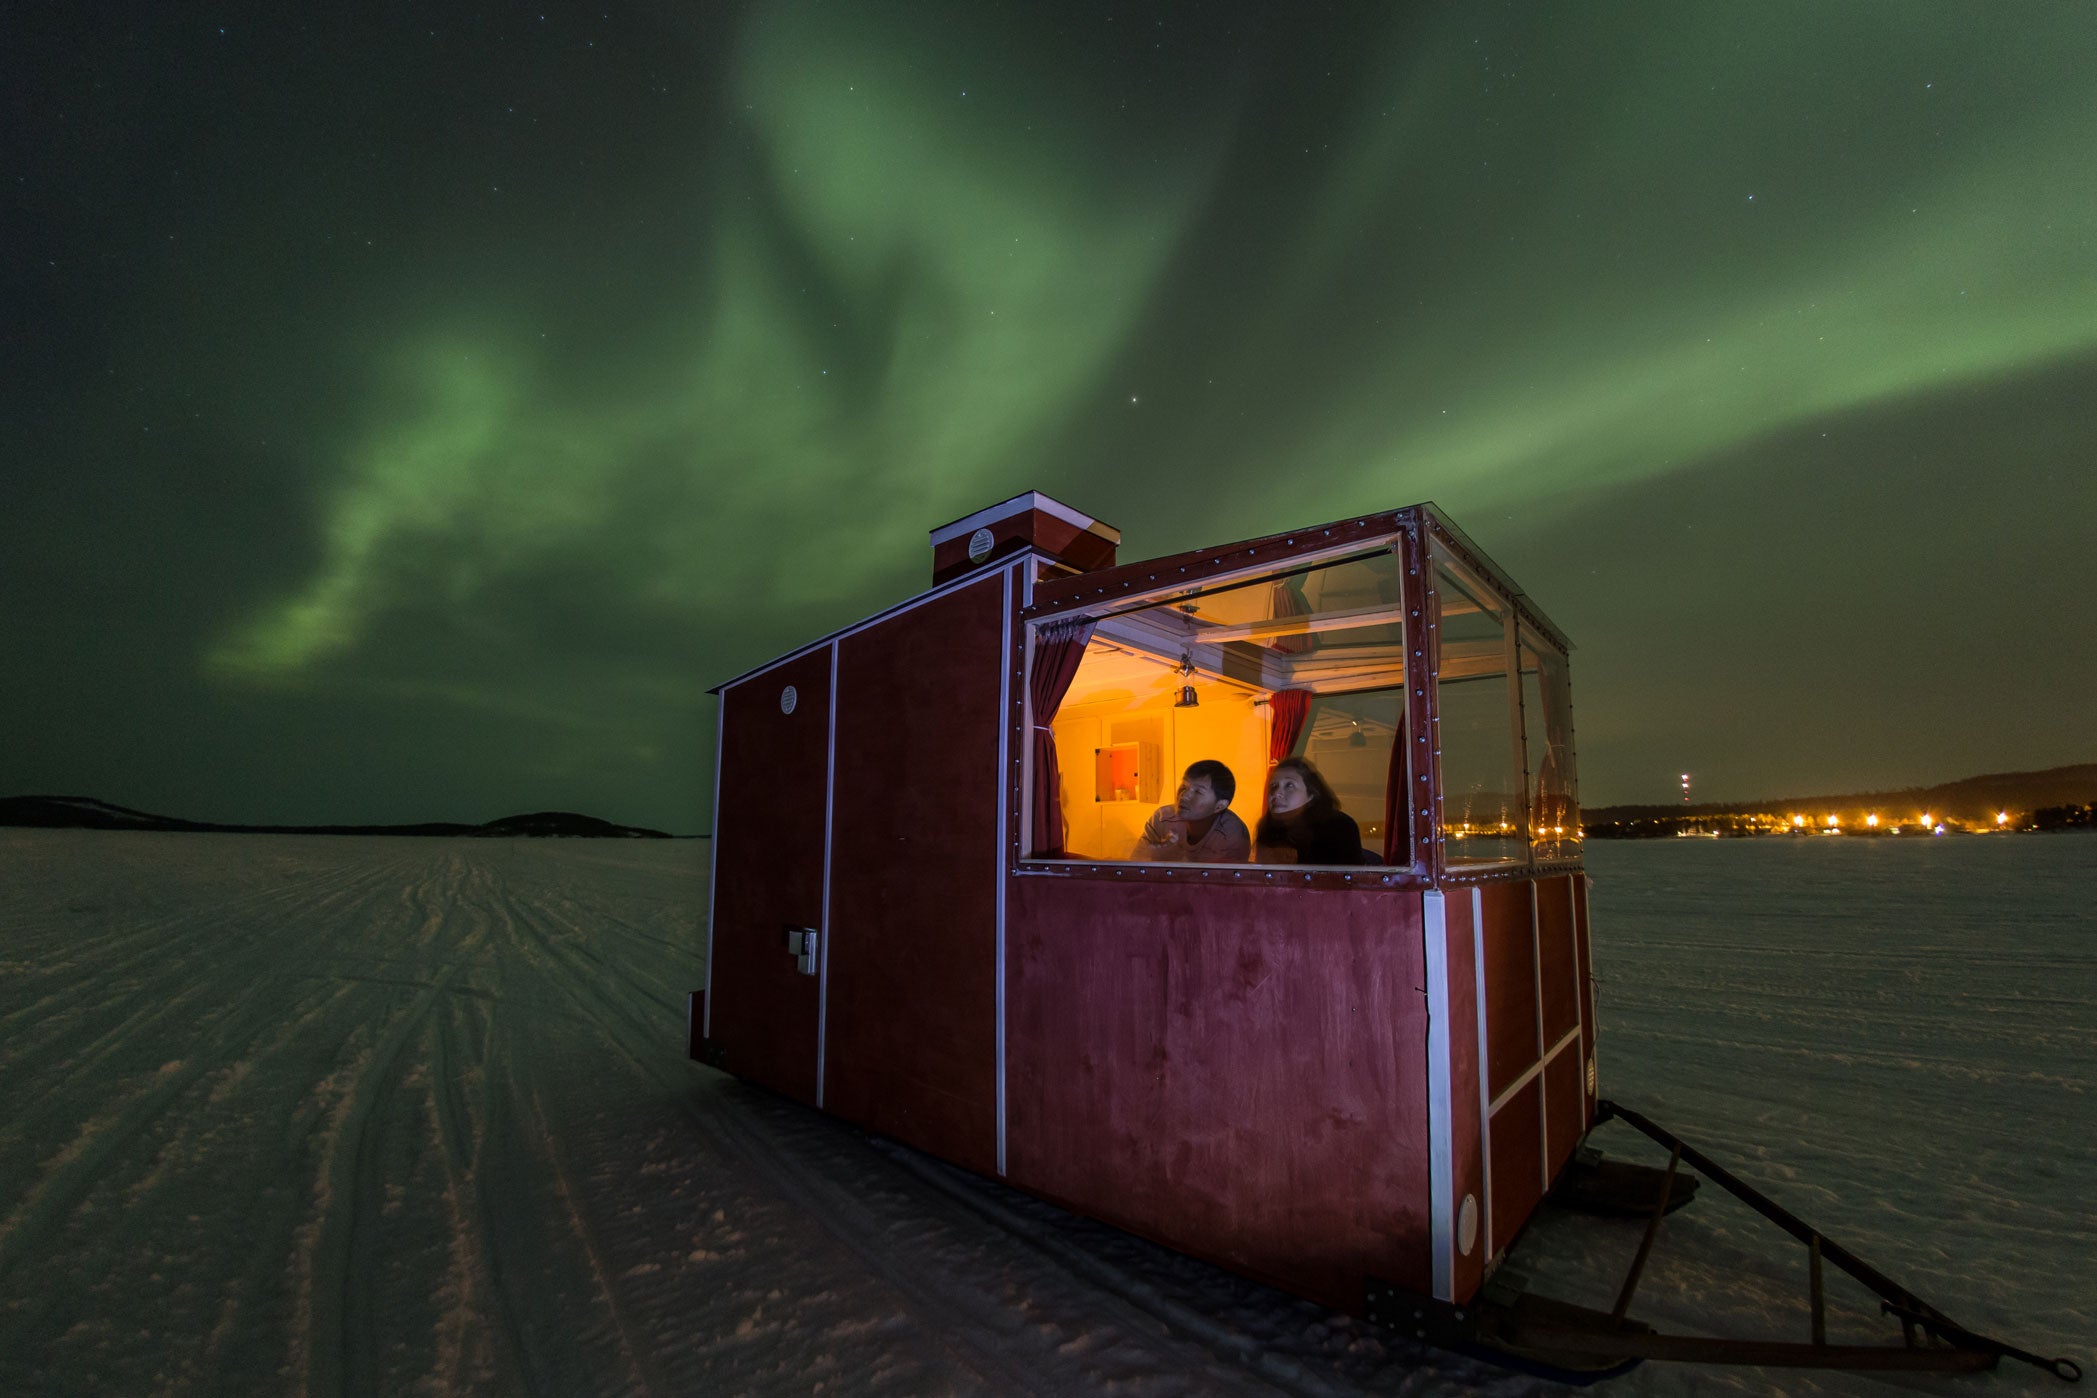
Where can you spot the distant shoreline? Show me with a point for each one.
(87, 813)
(2056, 798)
(2078, 819)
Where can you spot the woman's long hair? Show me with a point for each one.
(1274, 829)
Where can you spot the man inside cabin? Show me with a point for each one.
(1199, 827)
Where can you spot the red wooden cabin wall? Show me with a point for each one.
(1591, 1028)
(1538, 1002)
(1558, 981)
(1237, 1072)
(1466, 1107)
(768, 874)
(1518, 1162)
(911, 1021)
(1513, 1040)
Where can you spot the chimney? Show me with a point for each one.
(1029, 521)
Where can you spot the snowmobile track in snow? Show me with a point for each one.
(329, 1116)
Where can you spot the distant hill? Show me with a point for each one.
(86, 813)
(564, 823)
(1972, 800)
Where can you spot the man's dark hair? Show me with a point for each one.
(1220, 779)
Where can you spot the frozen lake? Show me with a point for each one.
(1897, 1040)
(332, 1115)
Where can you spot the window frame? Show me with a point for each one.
(1413, 534)
(1405, 613)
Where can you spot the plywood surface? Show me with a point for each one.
(910, 1046)
(768, 872)
(1239, 1072)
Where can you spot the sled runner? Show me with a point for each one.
(1578, 1344)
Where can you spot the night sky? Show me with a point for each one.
(410, 411)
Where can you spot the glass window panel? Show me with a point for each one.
(1472, 626)
(1482, 807)
(1126, 731)
(1308, 628)
(1547, 723)
(1350, 740)
(1123, 736)
(1481, 791)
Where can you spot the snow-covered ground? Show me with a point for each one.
(345, 1115)
(1897, 1040)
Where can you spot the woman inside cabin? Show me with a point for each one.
(1303, 823)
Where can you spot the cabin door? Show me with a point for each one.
(764, 987)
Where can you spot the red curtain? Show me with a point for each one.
(1397, 803)
(1290, 707)
(1058, 647)
(1287, 601)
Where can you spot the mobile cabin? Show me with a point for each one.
(926, 917)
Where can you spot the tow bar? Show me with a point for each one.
(1578, 1344)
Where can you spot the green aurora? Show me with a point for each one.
(417, 420)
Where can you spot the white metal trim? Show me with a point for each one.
(932, 595)
(1485, 1068)
(713, 865)
(1441, 1163)
(1511, 657)
(1536, 961)
(1387, 877)
(823, 951)
(1283, 563)
(1591, 1044)
(1572, 912)
(1026, 845)
(1031, 500)
(1534, 1070)
(1003, 789)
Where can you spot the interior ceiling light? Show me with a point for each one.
(1188, 698)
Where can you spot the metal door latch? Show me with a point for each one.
(801, 945)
